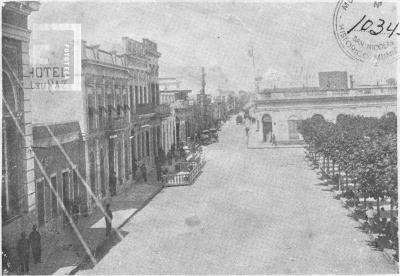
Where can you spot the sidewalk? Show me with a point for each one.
(256, 143)
(358, 214)
(69, 253)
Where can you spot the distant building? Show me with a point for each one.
(169, 84)
(182, 112)
(278, 111)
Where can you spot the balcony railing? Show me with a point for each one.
(117, 123)
(143, 109)
(358, 92)
(163, 109)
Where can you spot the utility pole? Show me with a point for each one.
(256, 79)
(203, 97)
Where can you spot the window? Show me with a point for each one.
(92, 173)
(141, 95)
(136, 95)
(293, 124)
(53, 180)
(91, 118)
(126, 158)
(143, 145)
(147, 143)
(40, 202)
(75, 181)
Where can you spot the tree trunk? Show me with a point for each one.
(339, 177)
(347, 181)
(327, 170)
(333, 169)
(377, 207)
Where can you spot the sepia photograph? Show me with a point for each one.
(192, 137)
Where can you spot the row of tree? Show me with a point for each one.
(358, 150)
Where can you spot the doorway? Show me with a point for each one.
(267, 128)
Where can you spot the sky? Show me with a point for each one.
(292, 41)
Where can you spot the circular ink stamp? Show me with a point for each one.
(367, 31)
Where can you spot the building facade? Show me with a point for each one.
(279, 111)
(18, 176)
(63, 175)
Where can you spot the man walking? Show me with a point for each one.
(23, 253)
(108, 221)
(34, 241)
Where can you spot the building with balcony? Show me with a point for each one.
(18, 185)
(184, 124)
(278, 111)
(118, 111)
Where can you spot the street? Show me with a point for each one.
(251, 211)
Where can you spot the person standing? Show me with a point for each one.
(370, 213)
(144, 172)
(23, 253)
(134, 167)
(34, 241)
(113, 183)
(108, 220)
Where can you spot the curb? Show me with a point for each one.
(146, 202)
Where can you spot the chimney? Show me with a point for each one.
(351, 82)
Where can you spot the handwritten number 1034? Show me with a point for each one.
(380, 27)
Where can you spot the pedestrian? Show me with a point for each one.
(370, 213)
(75, 212)
(23, 253)
(158, 170)
(108, 220)
(113, 183)
(273, 140)
(144, 172)
(34, 241)
(134, 167)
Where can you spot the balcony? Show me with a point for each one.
(144, 109)
(163, 110)
(116, 123)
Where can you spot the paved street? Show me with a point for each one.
(251, 211)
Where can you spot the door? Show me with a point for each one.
(65, 192)
(267, 128)
(40, 201)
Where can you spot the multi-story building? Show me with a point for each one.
(118, 112)
(278, 111)
(18, 186)
(63, 173)
(184, 124)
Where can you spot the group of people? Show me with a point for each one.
(389, 228)
(25, 245)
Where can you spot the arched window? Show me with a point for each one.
(293, 123)
(318, 117)
(340, 117)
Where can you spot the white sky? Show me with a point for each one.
(286, 38)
